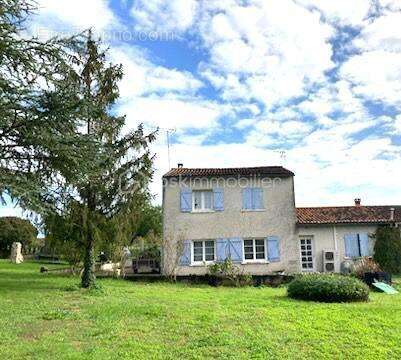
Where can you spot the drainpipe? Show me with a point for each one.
(392, 214)
(335, 238)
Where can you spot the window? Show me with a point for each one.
(252, 199)
(357, 245)
(254, 249)
(306, 253)
(203, 251)
(202, 200)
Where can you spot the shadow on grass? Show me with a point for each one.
(29, 286)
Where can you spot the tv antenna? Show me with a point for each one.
(168, 131)
(283, 156)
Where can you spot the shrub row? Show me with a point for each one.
(328, 288)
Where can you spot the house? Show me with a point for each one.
(249, 215)
(347, 230)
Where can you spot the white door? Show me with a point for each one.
(307, 253)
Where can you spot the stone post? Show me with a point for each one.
(16, 253)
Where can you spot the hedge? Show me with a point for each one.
(328, 288)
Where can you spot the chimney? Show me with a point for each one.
(180, 165)
(357, 202)
(392, 214)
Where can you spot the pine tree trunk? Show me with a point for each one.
(88, 275)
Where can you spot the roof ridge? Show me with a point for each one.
(275, 170)
(348, 214)
(233, 167)
(344, 206)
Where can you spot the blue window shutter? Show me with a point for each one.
(185, 258)
(351, 245)
(218, 199)
(364, 244)
(273, 248)
(247, 199)
(257, 198)
(221, 253)
(234, 247)
(186, 200)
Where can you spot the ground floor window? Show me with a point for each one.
(357, 245)
(306, 248)
(254, 249)
(203, 251)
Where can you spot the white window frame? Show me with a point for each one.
(307, 237)
(202, 209)
(254, 260)
(203, 262)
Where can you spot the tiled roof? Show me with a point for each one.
(348, 214)
(278, 171)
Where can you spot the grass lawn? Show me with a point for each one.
(44, 316)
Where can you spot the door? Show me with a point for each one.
(307, 253)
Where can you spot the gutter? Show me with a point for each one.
(335, 238)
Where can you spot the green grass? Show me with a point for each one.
(46, 316)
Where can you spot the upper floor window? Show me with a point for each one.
(252, 199)
(202, 200)
(203, 251)
(254, 249)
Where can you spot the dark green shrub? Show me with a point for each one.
(328, 288)
(387, 252)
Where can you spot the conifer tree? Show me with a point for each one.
(38, 126)
(121, 165)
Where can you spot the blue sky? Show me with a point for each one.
(311, 85)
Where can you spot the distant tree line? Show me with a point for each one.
(15, 229)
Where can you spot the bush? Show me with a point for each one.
(387, 252)
(226, 270)
(328, 288)
(365, 265)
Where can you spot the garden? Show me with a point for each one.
(48, 316)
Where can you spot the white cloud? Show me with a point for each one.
(79, 15)
(164, 16)
(397, 124)
(391, 4)
(142, 77)
(161, 97)
(330, 169)
(383, 34)
(382, 83)
(258, 52)
(375, 70)
(333, 97)
(344, 12)
(171, 112)
(268, 132)
(244, 123)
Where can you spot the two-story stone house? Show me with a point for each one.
(249, 215)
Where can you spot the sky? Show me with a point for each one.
(313, 85)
